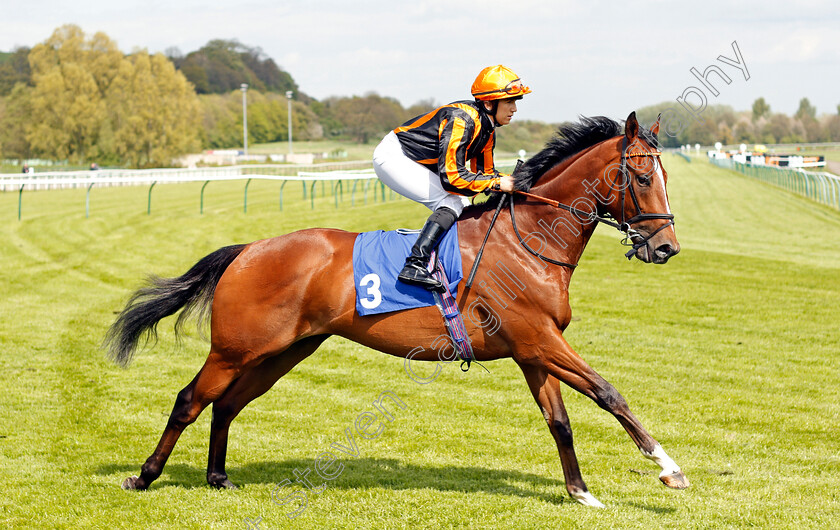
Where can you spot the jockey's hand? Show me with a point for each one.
(506, 184)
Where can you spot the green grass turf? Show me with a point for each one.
(727, 354)
(354, 150)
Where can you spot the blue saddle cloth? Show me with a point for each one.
(378, 257)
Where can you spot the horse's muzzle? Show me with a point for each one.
(663, 253)
(658, 255)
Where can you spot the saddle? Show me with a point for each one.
(378, 257)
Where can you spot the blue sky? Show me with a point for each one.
(580, 58)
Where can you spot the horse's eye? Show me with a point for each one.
(644, 180)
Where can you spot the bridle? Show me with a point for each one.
(631, 236)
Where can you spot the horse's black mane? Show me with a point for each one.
(570, 138)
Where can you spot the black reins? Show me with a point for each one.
(631, 237)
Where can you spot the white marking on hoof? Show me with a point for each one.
(669, 467)
(586, 498)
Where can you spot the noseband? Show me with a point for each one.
(631, 236)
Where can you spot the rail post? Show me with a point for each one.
(201, 206)
(20, 199)
(87, 200)
(283, 185)
(245, 201)
(149, 204)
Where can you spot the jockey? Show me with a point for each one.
(425, 160)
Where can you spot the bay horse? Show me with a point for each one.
(271, 303)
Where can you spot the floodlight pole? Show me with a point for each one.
(289, 95)
(244, 88)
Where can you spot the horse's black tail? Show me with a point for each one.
(162, 297)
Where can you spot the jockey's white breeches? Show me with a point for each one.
(412, 180)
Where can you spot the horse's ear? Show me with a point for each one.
(655, 127)
(631, 127)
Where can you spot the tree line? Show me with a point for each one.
(78, 98)
(720, 123)
(84, 101)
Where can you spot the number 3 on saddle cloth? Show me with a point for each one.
(378, 257)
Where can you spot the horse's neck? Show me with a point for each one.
(551, 231)
(565, 181)
(566, 233)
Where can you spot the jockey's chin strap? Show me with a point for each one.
(631, 237)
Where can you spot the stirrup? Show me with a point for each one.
(414, 274)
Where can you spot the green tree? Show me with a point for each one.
(331, 126)
(813, 131)
(369, 117)
(704, 132)
(67, 113)
(832, 128)
(70, 75)
(221, 120)
(267, 119)
(15, 69)
(421, 107)
(778, 127)
(725, 135)
(744, 132)
(760, 108)
(524, 134)
(304, 121)
(98, 55)
(266, 70)
(806, 110)
(91, 103)
(807, 125)
(155, 112)
(263, 119)
(15, 115)
(2, 121)
(221, 66)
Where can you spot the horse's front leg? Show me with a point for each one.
(561, 361)
(546, 391)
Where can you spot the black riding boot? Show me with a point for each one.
(416, 270)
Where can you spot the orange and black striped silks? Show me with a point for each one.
(446, 138)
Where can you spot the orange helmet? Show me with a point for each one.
(498, 82)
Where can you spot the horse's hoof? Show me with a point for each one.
(226, 484)
(587, 499)
(676, 480)
(132, 483)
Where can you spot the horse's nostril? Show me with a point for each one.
(665, 250)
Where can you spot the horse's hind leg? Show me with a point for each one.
(210, 383)
(546, 391)
(252, 384)
(565, 364)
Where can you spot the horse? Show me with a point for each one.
(272, 302)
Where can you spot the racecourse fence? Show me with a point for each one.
(682, 155)
(821, 187)
(350, 177)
